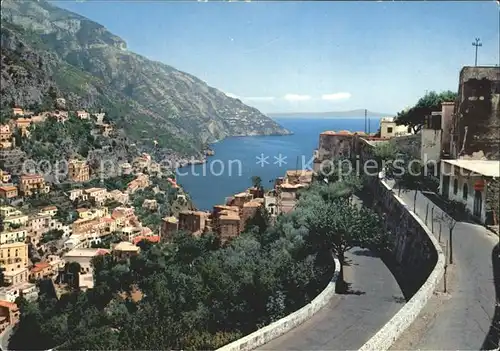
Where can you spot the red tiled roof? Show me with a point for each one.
(8, 304)
(38, 267)
(151, 239)
(8, 188)
(49, 208)
(102, 252)
(31, 176)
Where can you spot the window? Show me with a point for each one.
(409, 130)
(389, 129)
(455, 187)
(465, 191)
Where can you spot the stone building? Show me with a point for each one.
(228, 225)
(240, 199)
(389, 128)
(125, 250)
(41, 270)
(8, 192)
(5, 133)
(298, 176)
(333, 145)
(248, 211)
(78, 171)
(99, 195)
(14, 261)
(193, 221)
(475, 126)
(9, 314)
(169, 226)
(33, 183)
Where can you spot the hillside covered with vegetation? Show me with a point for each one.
(45, 47)
(198, 294)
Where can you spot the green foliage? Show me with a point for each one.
(51, 235)
(430, 102)
(197, 294)
(54, 141)
(107, 240)
(5, 115)
(256, 181)
(112, 183)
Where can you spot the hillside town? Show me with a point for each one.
(81, 219)
(47, 223)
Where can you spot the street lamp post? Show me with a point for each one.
(477, 44)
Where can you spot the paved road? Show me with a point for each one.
(463, 319)
(4, 338)
(349, 320)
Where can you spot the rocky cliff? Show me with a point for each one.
(44, 46)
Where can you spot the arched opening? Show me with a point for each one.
(455, 186)
(465, 191)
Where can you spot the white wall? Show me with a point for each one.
(431, 145)
(469, 202)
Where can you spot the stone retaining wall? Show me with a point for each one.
(285, 324)
(410, 144)
(420, 256)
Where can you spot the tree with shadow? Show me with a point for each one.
(338, 225)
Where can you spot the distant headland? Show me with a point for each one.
(332, 114)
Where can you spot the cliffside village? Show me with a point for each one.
(444, 139)
(23, 232)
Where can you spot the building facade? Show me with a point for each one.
(32, 184)
(78, 171)
(476, 124)
(473, 183)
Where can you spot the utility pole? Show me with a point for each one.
(477, 44)
(365, 119)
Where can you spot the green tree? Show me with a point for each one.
(414, 117)
(51, 235)
(339, 225)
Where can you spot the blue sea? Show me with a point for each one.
(237, 159)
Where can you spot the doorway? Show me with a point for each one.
(446, 186)
(478, 204)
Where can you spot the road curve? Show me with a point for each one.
(463, 319)
(348, 321)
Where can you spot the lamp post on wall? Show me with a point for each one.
(477, 44)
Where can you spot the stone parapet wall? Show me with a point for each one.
(420, 256)
(285, 324)
(410, 144)
(492, 205)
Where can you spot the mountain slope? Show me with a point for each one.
(92, 68)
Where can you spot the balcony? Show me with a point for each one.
(11, 260)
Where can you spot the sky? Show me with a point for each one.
(309, 56)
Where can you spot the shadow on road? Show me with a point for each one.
(366, 253)
(493, 337)
(349, 291)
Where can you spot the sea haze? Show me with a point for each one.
(235, 161)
